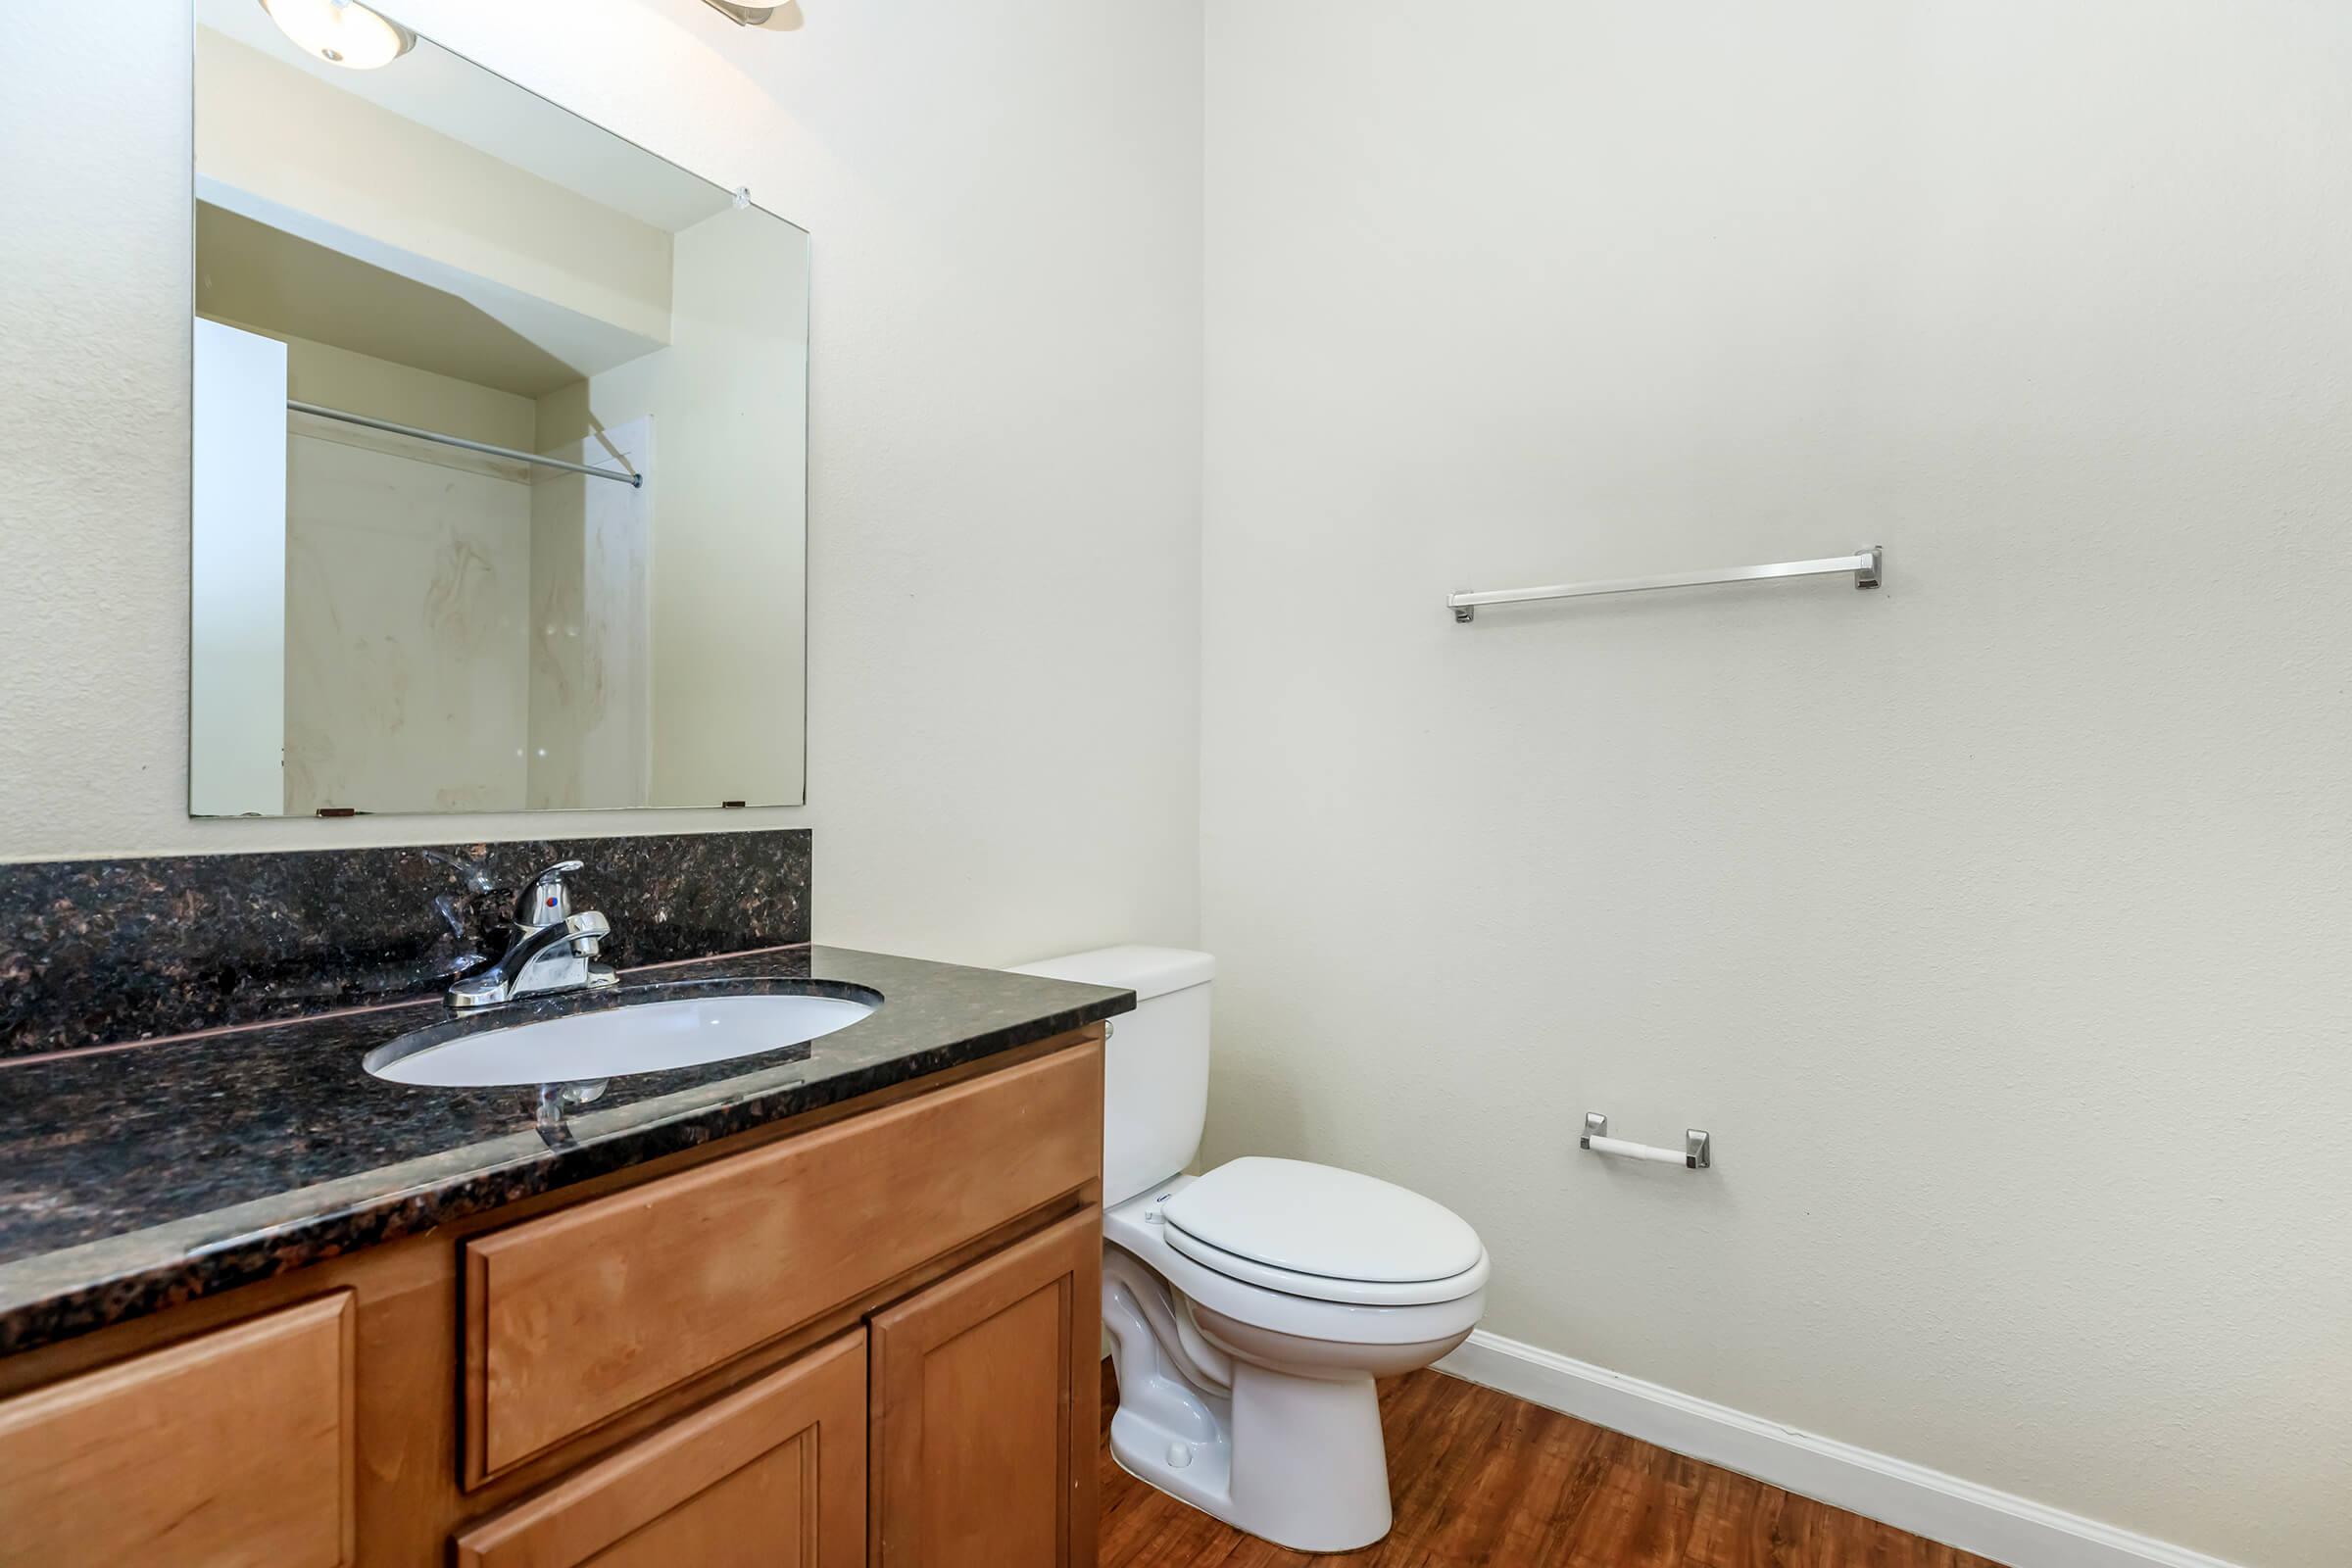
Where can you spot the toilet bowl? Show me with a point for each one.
(1249, 1308)
(1253, 1402)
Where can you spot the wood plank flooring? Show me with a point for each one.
(1481, 1480)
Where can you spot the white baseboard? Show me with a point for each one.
(1926, 1502)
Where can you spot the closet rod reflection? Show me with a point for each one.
(633, 481)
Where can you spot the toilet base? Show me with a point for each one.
(1314, 1474)
(1295, 1460)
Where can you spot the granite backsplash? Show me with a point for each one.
(94, 952)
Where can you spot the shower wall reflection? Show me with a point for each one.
(425, 300)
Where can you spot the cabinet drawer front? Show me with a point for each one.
(774, 1472)
(235, 1447)
(573, 1319)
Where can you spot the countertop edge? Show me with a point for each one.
(33, 1314)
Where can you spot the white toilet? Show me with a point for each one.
(1250, 1308)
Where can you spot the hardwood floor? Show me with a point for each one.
(1479, 1478)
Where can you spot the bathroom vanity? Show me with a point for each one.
(872, 1328)
(262, 1305)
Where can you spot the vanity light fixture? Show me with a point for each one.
(743, 15)
(341, 33)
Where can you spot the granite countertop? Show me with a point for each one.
(146, 1176)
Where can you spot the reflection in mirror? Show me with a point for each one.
(499, 451)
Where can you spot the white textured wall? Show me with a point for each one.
(1995, 924)
(1004, 472)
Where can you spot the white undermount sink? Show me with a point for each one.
(612, 1042)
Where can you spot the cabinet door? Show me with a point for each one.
(772, 1475)
(232, 1450)
(985, 1395)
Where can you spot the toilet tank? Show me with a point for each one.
(1155, 1062)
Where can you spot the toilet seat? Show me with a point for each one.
(1325, 1233)
(1137, 1226)
(1323, 1286)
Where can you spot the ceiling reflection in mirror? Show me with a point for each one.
(499, 457)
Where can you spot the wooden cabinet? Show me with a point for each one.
(576, 1317)
(230, 1448)
(985, 1390)
(866, 1336)
(772, 1476)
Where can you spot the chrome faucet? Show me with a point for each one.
(551, 950)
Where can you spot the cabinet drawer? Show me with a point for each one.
(773, 1473)
(235, 1447)
(573, 1319)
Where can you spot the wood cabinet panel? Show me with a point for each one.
(770, 1476)
(576, 1317)
(229, 1449)
(984, 1399)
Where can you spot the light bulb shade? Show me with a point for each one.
(341, 33)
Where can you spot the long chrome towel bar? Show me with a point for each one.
(633, 481)
(1865, 565)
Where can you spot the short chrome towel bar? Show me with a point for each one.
(1696, 1154)
(1867, 565)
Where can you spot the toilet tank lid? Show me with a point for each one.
(1147, 971)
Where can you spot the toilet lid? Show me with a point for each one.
(1300, 1218)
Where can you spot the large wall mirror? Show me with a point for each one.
(500, 446)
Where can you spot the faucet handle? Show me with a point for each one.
(547, 901)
